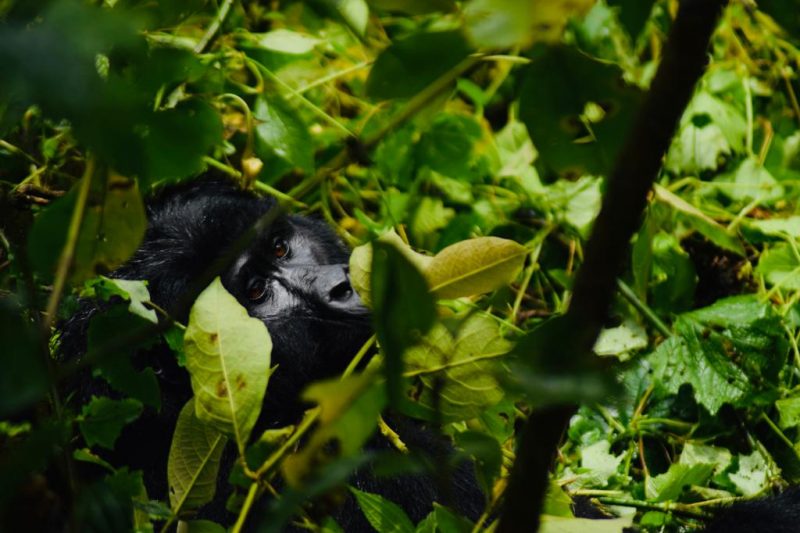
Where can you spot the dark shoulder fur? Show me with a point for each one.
(777, 514)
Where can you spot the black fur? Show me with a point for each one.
(190, 229)
(777, 514)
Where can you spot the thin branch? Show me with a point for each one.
(212, 30)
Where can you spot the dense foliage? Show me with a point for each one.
(413, 127)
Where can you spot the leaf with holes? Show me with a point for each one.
(228, 356)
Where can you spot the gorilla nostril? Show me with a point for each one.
(341, 292)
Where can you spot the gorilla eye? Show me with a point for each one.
(257, 289)
(280, 248)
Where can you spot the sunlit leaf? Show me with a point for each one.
(475, 266)
(228, 357)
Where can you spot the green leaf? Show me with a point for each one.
(698, 220)
(750, 182)
(697, 453)
(448, 146)
(354, 13)
(710, 130)
(633, 14)
(673, 278)
(383, 515)
(117, 368)
(557, 87)
(777, 227)
(348, 415)
(751, 478)
(559, 524)
(409, 65)
(621, 340)
(600, 463)
(113, 226)
(102, 419)
(780, 265)
(282, 135)
(287, 41)
(669, 485)
(361, 263)
(193, 464)
(228, 357)
(789, 412)
(508, 23)
(457, 375)
(475, 266)
(729, 352)
(203, 526)
(403, 308)
(134, 291)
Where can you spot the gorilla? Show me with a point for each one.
(292, 274)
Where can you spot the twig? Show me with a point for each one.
(212, 30)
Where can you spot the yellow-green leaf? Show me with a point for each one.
(361, 263)
(193, 461)
(475, 266)
(228, 357)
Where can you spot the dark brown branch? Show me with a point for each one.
(636, 168)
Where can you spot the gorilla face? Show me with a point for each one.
(293, 275)
(295, 278)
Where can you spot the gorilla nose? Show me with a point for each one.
(333, 282)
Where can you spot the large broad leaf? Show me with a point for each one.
(710, 130)
(113, 225)
(411, 64)
(193, 461)
(728, 352)
(780, 265)
(669, 485)
(382, 514)
(228, 356)
(282, 137)
(456, 375)
(475, 266)
(102, 420)
(557, 87)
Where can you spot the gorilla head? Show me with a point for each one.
(292, 274)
